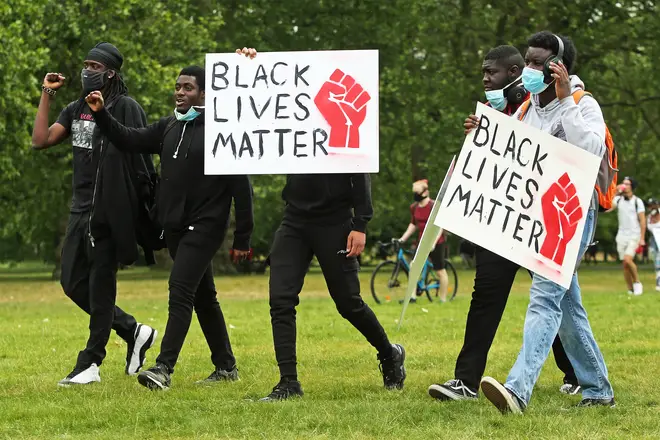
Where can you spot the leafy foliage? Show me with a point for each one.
(430, 60)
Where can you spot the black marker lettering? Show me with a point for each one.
(299, 75)
(222, 75)
(272, 74)
(513, 175)
(281, 132)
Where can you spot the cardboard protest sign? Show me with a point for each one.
(426, 243)
(521, 193)
(292, 113)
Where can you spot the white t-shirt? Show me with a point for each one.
(628, 211)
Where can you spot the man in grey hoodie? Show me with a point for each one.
(552, 308)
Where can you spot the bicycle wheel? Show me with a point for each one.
(431, 284)
(389, 282)
(452, 288)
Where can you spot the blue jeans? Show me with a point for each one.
(553, 308)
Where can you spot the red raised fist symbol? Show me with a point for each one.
(561, 214)
(343, 104)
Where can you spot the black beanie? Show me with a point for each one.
(106, 54)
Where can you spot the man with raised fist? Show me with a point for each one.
(101, 232)
(553, 308)
(194, 210)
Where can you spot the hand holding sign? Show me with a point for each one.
(343, 104)
(561, 214)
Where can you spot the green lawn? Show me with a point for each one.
(42, 332)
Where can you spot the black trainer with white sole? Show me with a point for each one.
(143, 339)
(81, 375)
(284, 390)
(220, 375)
(597, 402)
(393, 368)
(502, 398)
(570, 388)
(155, 378)
(454, 389)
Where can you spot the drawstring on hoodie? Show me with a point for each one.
(176, 152)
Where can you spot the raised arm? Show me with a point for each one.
(44, 136)
(133, 140)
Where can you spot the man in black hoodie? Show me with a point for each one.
(194, 210)
(106, 190)
(326, 215)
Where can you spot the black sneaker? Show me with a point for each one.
(155, 378)
(143, 339)
(570, 388)
(597, 402)
(285, 389)
(502, 398)
(220, 376)
(392, 368)
(453, 389)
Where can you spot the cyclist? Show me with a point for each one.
(420, 211)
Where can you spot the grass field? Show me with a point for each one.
(42, 332)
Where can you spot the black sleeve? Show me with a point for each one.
(364, 210)
(65, 119)
(132, 140)
(242, 195)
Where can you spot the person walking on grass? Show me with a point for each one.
(653, 225)
(194, 210)
(631, 232)
(420, 211)
(494, 277)
(101, 232)
(326, 216)
(553, 308)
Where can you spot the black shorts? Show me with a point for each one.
(437, 256)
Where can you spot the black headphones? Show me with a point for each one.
(547, 73)
(514, 91)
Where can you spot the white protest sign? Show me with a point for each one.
(521, 193)
(426, 243)
(292, 113)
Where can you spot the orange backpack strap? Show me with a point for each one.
(523, 110)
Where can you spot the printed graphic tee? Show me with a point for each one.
(77, 119)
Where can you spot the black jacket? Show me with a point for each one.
(329, 199)
(187, 197)
(120, 186)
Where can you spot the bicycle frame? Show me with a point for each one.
(421, 282)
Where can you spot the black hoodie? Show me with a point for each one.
(328, 199)
(187, 197)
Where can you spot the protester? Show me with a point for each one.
(325, 215)
(101, 232)
(495, 275)
(420, 211)
(654, 227)
(631, 233)
(552, 308)
(194, 210)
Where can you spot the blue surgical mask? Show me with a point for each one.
(496, 99)
(533, 81)
(188, 116)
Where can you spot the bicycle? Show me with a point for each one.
(397, 277)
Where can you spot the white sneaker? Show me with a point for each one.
(638, 289)
(657, 288)
(630, 292)
(81, 376)
(145, 337)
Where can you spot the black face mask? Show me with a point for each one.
(92, 80)
(418, 197)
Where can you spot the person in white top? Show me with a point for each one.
(631, 233)
(654, 226)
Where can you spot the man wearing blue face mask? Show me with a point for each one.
(194, 210)
(107, 188)
(552, 308)
(495, 275)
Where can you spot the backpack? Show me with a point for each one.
(607, 173)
